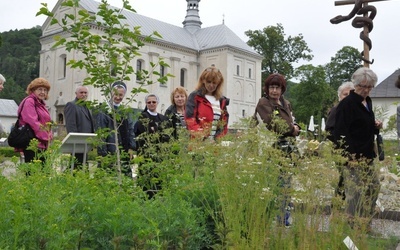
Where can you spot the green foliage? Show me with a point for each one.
(212, 197)
(107, 55)
(8, 152)
(61, 211)
(342, 66)
(279, 52)
(312, 96)
(19, 61)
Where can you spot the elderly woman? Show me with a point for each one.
(125, 133)
(343, 91)
(271, 108)
(2, 81)
(355, 129)
(273, 105)
(151, 123)
(33, 111)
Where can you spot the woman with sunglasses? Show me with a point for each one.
(148, 143)
(206, 109)
(150, 122)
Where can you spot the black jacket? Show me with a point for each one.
(149, 124)
(355, 127)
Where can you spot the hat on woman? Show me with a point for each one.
(119, 84)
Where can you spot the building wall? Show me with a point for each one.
(242, 88)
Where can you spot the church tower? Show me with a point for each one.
(192, 21)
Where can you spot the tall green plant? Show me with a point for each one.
(108, 54)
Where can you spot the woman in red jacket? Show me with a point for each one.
(206, 108)
(33, 111)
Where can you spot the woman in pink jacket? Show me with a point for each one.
(33, 111)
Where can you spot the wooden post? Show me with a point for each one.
(365, 28)
(365, 46)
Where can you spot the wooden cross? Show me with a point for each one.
(359, 4)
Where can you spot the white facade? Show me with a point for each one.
(239, 64)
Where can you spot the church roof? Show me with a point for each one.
(202, 39)
(8, 108)
(386, 88)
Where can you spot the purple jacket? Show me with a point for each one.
(34, 112)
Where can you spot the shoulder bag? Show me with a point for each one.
(20, 136)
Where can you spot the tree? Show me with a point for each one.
(342, 65)
(279, 53)
(312, 96)
(108, 55)
(19, 60)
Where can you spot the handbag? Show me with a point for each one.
(379, 144)
(20, 136)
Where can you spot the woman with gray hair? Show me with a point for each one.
(343, 91)
(354, 133)
(2, 81)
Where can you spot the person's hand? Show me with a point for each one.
(378, 124)
(296, 130)
(131, 154)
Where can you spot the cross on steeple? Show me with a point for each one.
(361, 7)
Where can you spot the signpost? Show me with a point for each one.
(77, 143)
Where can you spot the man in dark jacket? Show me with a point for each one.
(78, 118)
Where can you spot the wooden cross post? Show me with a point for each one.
(366, 47)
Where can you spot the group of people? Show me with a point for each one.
(351, 123)
(204, 114)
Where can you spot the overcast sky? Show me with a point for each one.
(307, 17)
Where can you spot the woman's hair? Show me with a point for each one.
(2, 79)
(211, 74)
(275, 80)
(38, 83)
(364, 75)
(344, 86)
(178, 90)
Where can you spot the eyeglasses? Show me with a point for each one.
(42, 90)
(151, 102)
(365, 86)
(274, 87)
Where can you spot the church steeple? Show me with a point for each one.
(192, 20)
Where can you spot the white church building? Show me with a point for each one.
(188, 50)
